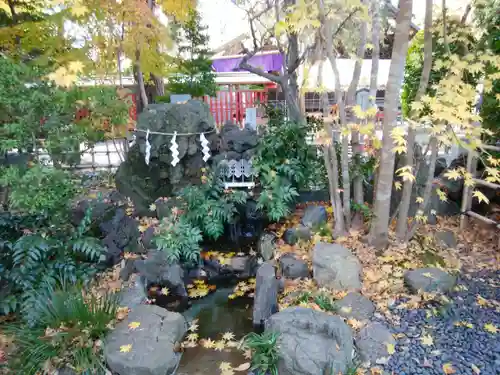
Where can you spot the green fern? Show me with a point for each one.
(179, 240)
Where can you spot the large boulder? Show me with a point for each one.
(336, 267)
(157, 270)
(266, 294)
(145, 183)
(429, 280)
(311, 342)
(149, 348)
(373, 343)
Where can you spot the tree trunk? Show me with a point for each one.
(346, 185)
(357, 148)
(332, 169)
(140, 80)
(428, 185)
(378, 236)
(375, 51)
(374, 71)
(402, 226)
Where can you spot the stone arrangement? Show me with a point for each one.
(145, 183)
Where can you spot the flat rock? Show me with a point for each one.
(311, 342)
(266, 294)
(314, 216)
(446, 239)
(152, 343)
(293, 235)
(429, 280)
(355, 306)
(336, 267)
(372, 342)
(292, 267)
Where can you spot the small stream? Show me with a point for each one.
(216, 315)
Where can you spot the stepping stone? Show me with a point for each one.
(311, 342)
(335, 267)
(355, 306)
(429, 280)
(373, 343)
(292, 267)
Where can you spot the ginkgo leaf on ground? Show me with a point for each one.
(134, 325)
(125, 348)
(491, 328)
(390, 348)
(448, 369)
(427, 340)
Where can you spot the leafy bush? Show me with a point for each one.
(39, 190)
(179, 240)
(40, 256)
(264, 348)
(285, 163)
(277, 196)
(208, 206)
(64, 330)
(32, 108)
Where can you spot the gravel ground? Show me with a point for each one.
(460, 346)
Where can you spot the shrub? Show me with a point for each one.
(64, 330)
(264, 348)
(40, 190)
(179, 240)
(209, 206)
(285, 163)
(40, 256)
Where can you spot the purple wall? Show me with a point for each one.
(268, 63)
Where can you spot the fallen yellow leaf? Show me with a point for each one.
(134, 325)
(125, 348)
(224, 366)
(491, 328)
(390, 348)
(448, 369)
(427, 340)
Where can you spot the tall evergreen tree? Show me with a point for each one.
(193, 67)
